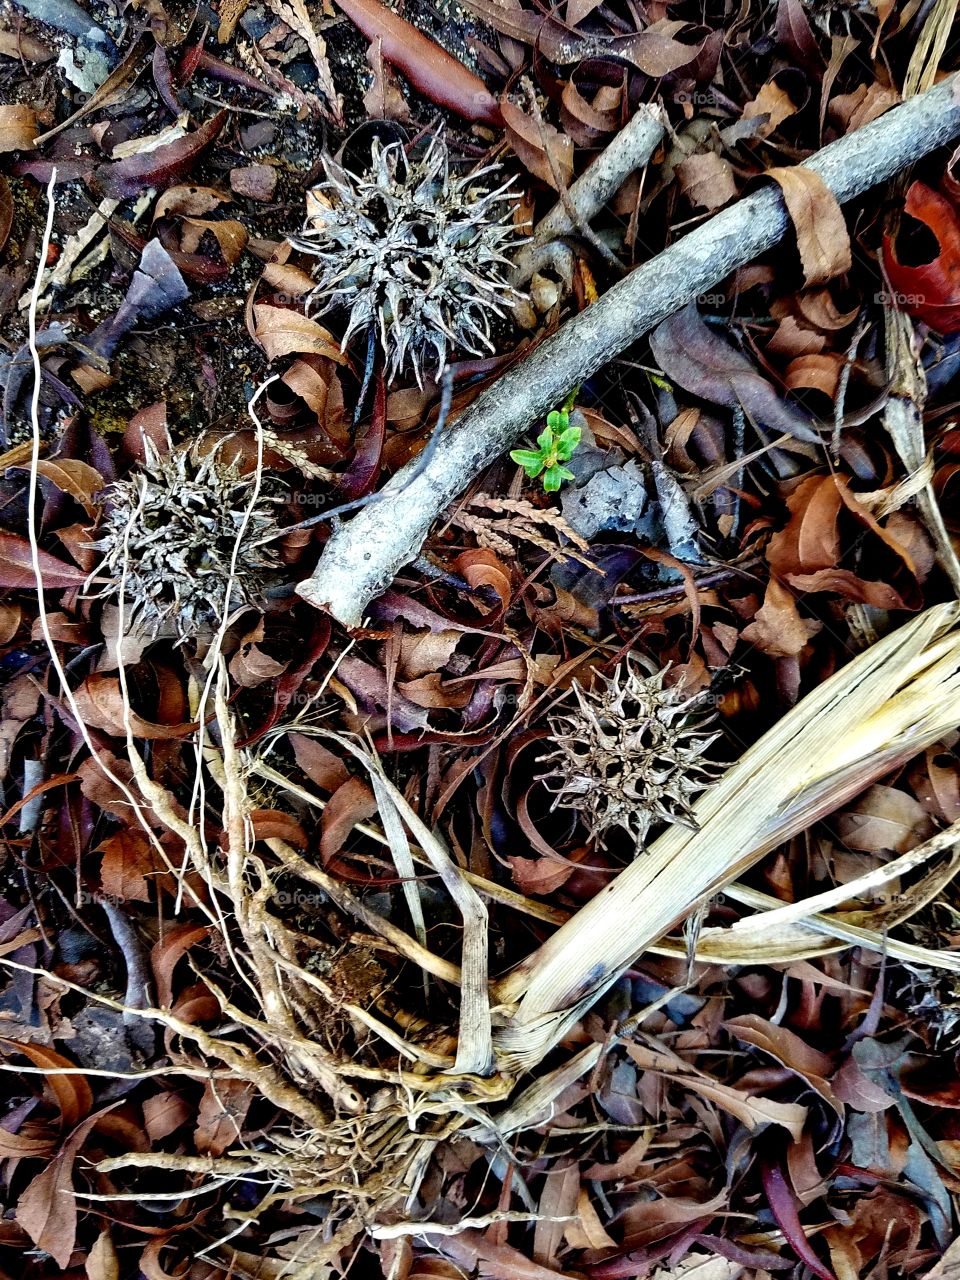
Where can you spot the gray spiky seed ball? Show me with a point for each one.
(630, 754)
(169, 535)
(414, 251)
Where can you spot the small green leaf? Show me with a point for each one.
(554, 476)
(567, 443)
(557, 420)
(526, 458)
(545, 440)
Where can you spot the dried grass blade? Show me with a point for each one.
(475, 1038)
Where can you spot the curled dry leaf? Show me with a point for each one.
(162, 167)
(73, 1094)
(706, 364)
(796, 35)
(816, 371)
(778, 629)
(790, 1049)
(75, 478)
(103, 1262)
(230, 235)
(530, 144)
(773, 103)
(102, 705)
(282, 332)
(588, 122)
(481, 568)
(922, 261)
(807, 552)
(821, 230)
(167, 953)
(250, 666)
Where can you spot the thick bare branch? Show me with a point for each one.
(362, 557)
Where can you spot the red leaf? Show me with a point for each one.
(927, 286)
(16, 568)
(783, 1206)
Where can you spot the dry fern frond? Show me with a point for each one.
(517, 518)
(631, 754)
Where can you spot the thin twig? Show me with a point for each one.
(423, 461)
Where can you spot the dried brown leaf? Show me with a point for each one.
(282, 332)
(18, 127)
(530, 145)
(128, 859)
(778, 629)
(821, 230)
(72, 1092)
(707, 180)
(47, 1209)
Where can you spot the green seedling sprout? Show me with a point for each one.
(555, 445)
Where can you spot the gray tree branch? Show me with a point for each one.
(362, 556)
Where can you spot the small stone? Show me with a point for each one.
(255, 181)
(260, 133)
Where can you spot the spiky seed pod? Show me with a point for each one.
(414, 251)
(169, 534)
(631, 754)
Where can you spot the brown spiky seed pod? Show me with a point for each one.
(631, 754)
(168, 537)
(414, 251)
